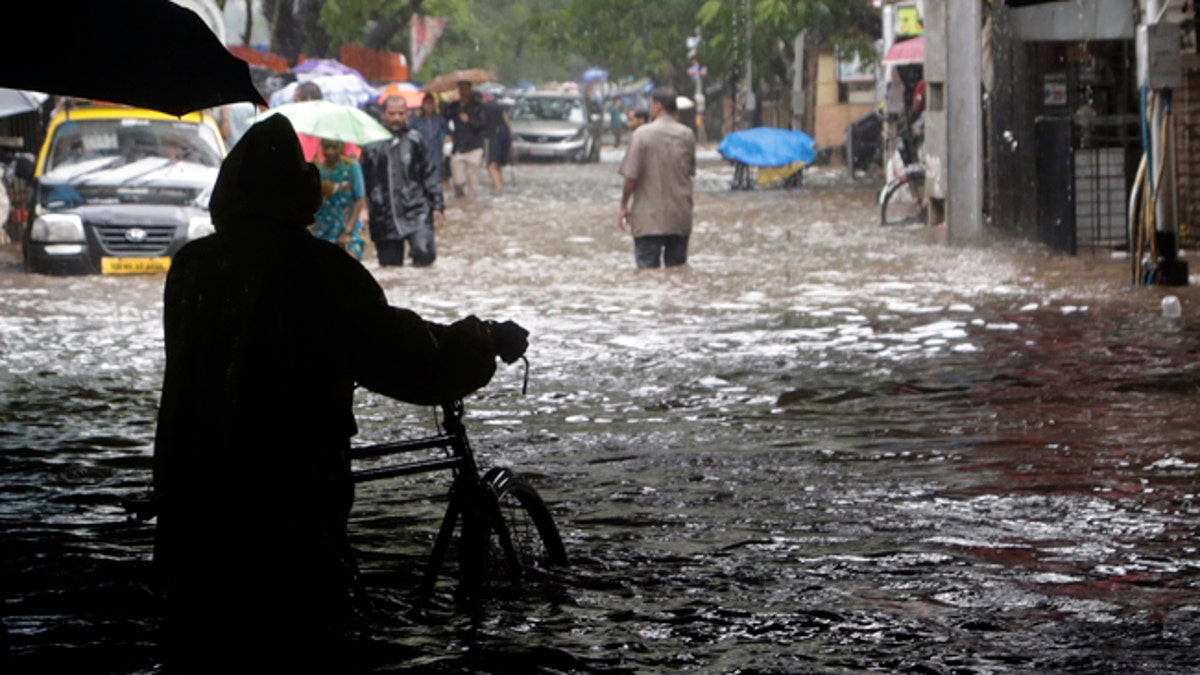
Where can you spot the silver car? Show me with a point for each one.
(556, 125)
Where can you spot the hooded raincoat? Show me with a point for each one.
(268, 332)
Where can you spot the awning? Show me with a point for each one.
(906, 53)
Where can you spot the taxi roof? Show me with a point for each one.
(117, 111)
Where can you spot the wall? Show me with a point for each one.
(1075, 21)
(833, 117)
(832, 121)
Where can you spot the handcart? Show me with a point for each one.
(766, 155)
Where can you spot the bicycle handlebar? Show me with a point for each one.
(144, 508)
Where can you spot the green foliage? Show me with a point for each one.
(848, 26)
(295, 27)
(544, 40)
(373, 23)
(515, 38)
(637, 39)
(539, 40)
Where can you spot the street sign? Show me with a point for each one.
(908, 22)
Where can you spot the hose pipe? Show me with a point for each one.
(1135, 221)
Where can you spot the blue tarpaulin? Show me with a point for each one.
(768, 146)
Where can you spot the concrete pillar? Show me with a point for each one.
(800, 84)
(936, 140)
(889, 26)
(964, 118)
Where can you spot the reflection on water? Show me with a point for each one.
(824, 447)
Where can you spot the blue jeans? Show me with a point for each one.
(660, 250)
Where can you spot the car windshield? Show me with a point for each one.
(546, 108)
(132, 139)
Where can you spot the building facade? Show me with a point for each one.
(1071, 95)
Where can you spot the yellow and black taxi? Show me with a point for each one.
(119, 190)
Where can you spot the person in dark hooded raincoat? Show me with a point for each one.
(268, 332)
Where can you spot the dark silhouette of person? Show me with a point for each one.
(268, 331)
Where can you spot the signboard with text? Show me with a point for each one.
(908, 22)
(1054, 89)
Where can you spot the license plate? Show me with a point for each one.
(541, 152)
(135, 265)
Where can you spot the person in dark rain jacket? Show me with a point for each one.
(469, 118)
(404, 191)
(268, 331)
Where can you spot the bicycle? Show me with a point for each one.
(506, 528)
(902, 199)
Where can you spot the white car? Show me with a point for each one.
(556, 125)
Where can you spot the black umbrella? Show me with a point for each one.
(147, 53)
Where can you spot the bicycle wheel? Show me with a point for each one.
(516, 534)
(902, 199)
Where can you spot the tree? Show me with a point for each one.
(515, 38)
(296, 28)
(245, 36)
(557, 39)
(378, 24)
(848, 26)
(640, 39)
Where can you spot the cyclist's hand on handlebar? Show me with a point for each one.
(510, 340)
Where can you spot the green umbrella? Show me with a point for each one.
(334, 121)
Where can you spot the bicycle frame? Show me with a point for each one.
(474, 497)
(453, 439)
(461, 463)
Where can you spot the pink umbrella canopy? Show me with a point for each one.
(908, 52)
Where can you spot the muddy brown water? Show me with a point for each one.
(824, 447)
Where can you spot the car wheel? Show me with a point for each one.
(585, 153)
(29, 264)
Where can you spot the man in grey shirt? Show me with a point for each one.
(658, 168)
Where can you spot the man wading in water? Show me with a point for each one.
(268, 331)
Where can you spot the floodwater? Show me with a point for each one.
(826, 447)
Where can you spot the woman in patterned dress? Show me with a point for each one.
(339, 219)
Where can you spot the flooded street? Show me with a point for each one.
(825, 447)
